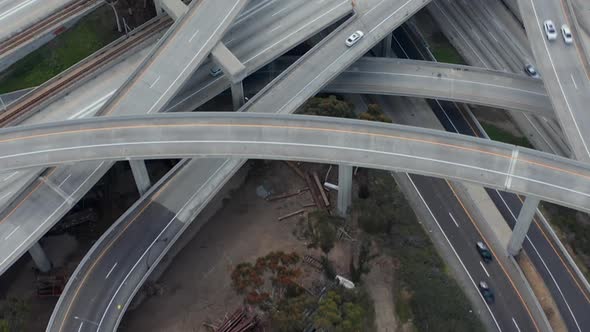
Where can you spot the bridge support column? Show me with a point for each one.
(344, 189)
(386, 50)
(237, 95)
(174, 8)
(525, 217)
(158, 5)
(141, 176)
(40, 258)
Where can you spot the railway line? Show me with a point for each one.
(33, 102)
(38, 28)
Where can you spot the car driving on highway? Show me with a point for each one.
(486, 292)
(567, 34)
(484, 252)
(531, 71)
(550, 30)
(352, 39)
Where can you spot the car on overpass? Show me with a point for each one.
(550, 30)
(355, 37)
(531, 70)
(567, 34)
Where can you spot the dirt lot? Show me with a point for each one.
(197, 287)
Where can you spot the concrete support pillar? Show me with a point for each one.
(40, 258)
(175, 8)
(141, 176)
(344, 189)
(237, 95)
(525, 217)
(158, 5)
(387, 52)
(231, 65)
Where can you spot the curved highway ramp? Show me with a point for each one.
(315, 139)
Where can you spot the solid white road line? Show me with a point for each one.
(16, 9)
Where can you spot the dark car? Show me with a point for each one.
(484, 252)
(531, 71)
(486, 292)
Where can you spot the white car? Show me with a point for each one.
(354, 38)
(550, 30)
(567, 34)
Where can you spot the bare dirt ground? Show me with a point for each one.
(379, 283)
(196, 289)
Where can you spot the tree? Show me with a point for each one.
(356, 271)
(374, 113)
(14, 315)
(341, 311)
(322, 230)
(289, 316)
(329, 106)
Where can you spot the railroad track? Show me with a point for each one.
(29, 33)
(29, 104)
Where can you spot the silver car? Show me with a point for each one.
(567, 34)
(354, 38)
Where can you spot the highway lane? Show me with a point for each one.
(487, 50)
(329, 58)
(306, 21)
(262, 136)
(461, 231)
(563, 67)
(171, 193)
(559, 277)
(402, 77)
(117, 277)
(174, 58)
(444, 81)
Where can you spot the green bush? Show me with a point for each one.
(329, 106)
(423, 289)
(345, 310)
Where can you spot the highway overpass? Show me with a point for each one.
(315, 139)
(40, 206)
(564, 69)
(427, 79)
